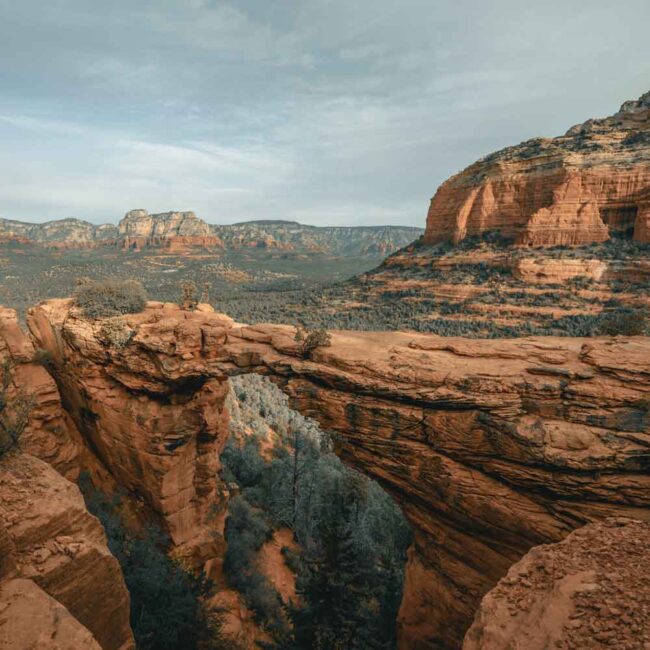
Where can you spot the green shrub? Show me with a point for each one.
(15, 410)
(310, 340)
(626, 322)
(106, 298)
(116, 332)
(167, 601)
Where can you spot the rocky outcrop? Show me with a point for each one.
(571, 190)
(585, 592)
(62, 588)
(150, 405)
(174, 231)
(490, 447)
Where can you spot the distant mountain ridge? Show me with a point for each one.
(181, 231)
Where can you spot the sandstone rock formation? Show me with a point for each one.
(173, 230)
(591, 590)
(151, 407)
(51, 435)
(490, 447)
(62, 588)
(571, 190)
(343, 241)
(180, 232)
(62, 233)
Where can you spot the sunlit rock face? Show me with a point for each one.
(572, 190)
(490, 447)
(174, 231)
(151, 408)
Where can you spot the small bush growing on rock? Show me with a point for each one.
(188, 300)
(42, 357)
(310, 340)
(15, 410)
(116, 332)
(106, 298)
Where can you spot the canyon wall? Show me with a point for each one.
(490, 446)
(572, 190)
(60, 587)
(149, 401)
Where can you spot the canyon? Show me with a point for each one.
(490, 447)
(521, 461)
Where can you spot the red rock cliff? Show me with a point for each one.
(571, 190)
(149, 401)
(490, 446)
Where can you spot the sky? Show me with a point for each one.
(328, 112)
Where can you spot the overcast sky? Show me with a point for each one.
(323, 111)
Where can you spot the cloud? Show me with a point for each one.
(324, 111)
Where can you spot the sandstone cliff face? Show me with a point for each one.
(174, 231)
(62, 589)
(588, 591)
(152, 410)
(571, 190)
(490, 447)
(51, 435)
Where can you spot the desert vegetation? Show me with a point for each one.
(15, 408)
(107, 298)
(168, 602)
(352, 538)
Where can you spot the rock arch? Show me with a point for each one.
(490, 447)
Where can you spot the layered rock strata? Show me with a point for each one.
(490, 446)
(572, 190)
(149, 401)
(62, 588)
(174, 231)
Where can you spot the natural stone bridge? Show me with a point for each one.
(489, 446)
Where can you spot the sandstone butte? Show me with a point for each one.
(571, 190)
(491, 447)
(175, 231)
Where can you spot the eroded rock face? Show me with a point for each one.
(171, 230)
(62, 589)
(571, 190)
(51, 435)
(590, 590)
(151, 407)
(490, 447)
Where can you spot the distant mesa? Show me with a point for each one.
(182, 232)
(573, 190)
(175, 231)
